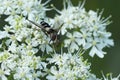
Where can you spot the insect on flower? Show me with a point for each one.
(46, 28)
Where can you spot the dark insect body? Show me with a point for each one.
(46, 28)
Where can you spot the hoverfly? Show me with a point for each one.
(46, 28)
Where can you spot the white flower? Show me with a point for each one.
(4, 56)
(45, 46)
(4, 72)
(23, 73)
(10, 62)
(29, 67)
(13, 47)
(73, 41)
(94, 51)
(25, 51)
(109, 77)
(32, 8)
(3, 34)
(36, 75)
(92, 77)
(90, 26)
(69, 66)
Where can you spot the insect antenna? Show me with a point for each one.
(35, 23)
(38, 25)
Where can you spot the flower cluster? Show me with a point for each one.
(21, 67)
(109, 77)
(32, 9)
(67, 66)
(20, 42)
(82, 28)
(26, 52)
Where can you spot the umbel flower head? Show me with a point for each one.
(109, 77)
(67, 66)
(25, 51)
(18, 25)
(31, 8)
(83, 29)
(19, 42)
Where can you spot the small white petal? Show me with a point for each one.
(3, 34)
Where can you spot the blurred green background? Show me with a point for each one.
(111, 62)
